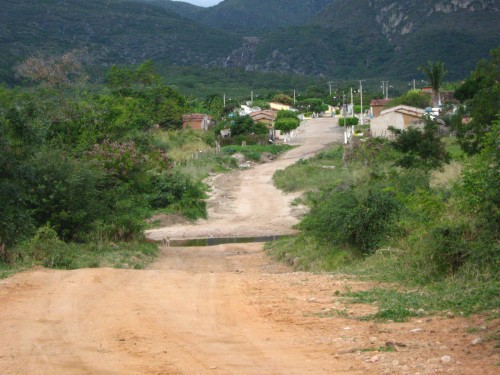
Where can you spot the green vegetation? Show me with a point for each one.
(375, 213)
(304, 39)
(286, 121)
(481, 96)
(254, 152)
(348, 121)
(81, 171)
(413, 98)
(435, 72)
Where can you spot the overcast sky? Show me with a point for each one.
(203, 3)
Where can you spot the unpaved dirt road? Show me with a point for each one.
(224, 309)
(246, 203)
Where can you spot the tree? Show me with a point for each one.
(283, 99)
(481, 91)
(435, 72)
(420, 148)
(312, 105)
(486, 74)
(54, 71)
(413, 98)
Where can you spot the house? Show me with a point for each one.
(197, 121)
(377, 106)
(266, 116)
(400, 117)
(246, 110)
(279, 106)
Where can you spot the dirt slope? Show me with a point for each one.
(225, 309)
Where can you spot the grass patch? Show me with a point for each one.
(253, 152)
(305, 253)
(69, 256)
(382, 349)
(206, 164)
(182, 145)
(325, 170)
(330, 314)
(439, 255)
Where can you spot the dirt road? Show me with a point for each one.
(224, 309)
(246, 203)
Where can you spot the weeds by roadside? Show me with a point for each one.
(432, 247)
(48, 251)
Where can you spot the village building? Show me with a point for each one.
(266, 116)
(377, 106)
(197, 121)
(400, 117)
(280, 107)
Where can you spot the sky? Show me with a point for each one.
(203, 3)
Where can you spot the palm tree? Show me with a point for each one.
(435, 71)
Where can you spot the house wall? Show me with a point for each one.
(376, 109)
(379, 126)
(279, 106)
(195, 125)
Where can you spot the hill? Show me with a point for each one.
(325, 38)
(245, 15)
(113, 32)
(362, 38)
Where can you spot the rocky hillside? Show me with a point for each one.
(369, 38)
(333, 38)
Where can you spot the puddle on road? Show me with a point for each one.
(221, 241)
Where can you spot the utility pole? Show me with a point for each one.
(387, 89)
(361, 93)
(330, 83)
(294, 98)
(343, 112)
(251, 96)
(224, 100)
(352, 104)
(414, 88)
(383, 88)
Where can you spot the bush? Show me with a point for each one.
(176, 189)
(286, 125)
(349, 121)
(421, 149)
(65, 193)
(244, 125)
(448, 246)
(353, 217)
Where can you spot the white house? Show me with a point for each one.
(400, 117)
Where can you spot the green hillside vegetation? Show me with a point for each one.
(384, 210)
(335, 39)
(114, 31)
(249, 16)
(237, 84)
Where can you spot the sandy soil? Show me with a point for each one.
(225, 309)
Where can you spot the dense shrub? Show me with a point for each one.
(244, 125)
(286, 125)
(348, 121)
(420, 148)
(176, 189)
(353, 217)
(413, 98)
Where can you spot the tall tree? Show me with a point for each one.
(435, 72)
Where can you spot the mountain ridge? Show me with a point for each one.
(334, 38)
